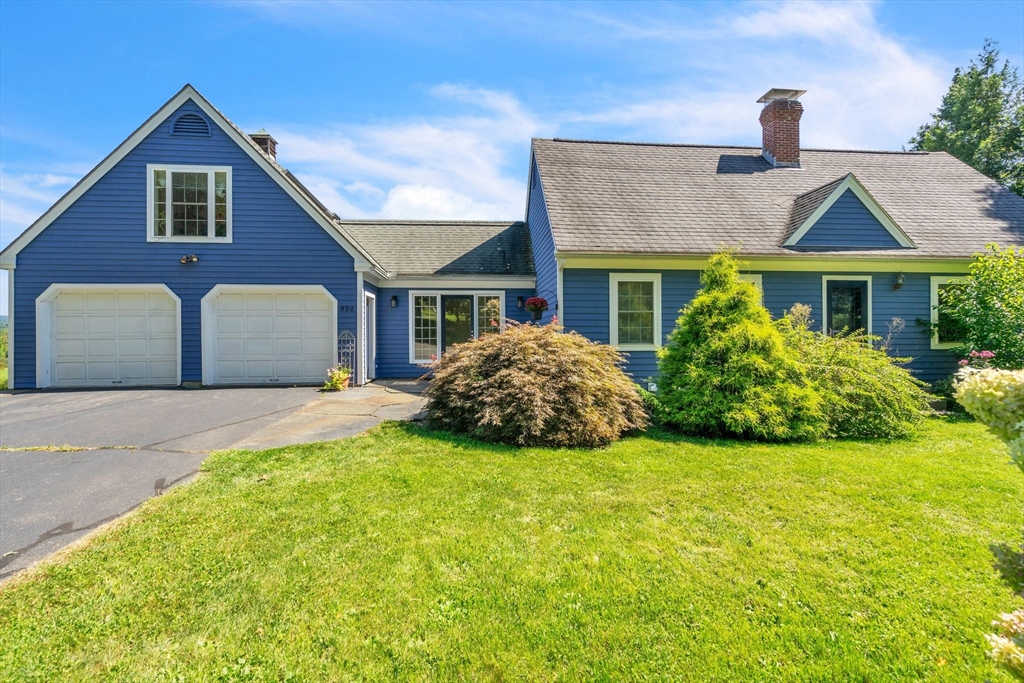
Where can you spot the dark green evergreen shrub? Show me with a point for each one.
(726, 370)
(866, 393)
(534, 385)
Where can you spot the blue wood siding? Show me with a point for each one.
(848, 225)
(101, 238)
(587, 311)
(393, 328)
(543, 244)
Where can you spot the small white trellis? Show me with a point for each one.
(347, 350)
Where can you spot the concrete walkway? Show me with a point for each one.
(341, 414)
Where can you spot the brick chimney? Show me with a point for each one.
(780, 127)
(266, 142)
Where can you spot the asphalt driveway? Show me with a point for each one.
(95, 455)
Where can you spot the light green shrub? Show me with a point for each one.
(996, 398)
(726, 370)
(865, 392)
(534, 385)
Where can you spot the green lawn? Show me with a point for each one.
(410, 555)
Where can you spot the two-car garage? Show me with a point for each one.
(98, 335)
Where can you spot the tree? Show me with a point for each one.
(988, 305)
(726, 369)
(981, 120)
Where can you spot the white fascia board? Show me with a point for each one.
(851, 183)
(185, 94)
(481, 282)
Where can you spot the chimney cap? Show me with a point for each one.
(262, 133)
(780, 94)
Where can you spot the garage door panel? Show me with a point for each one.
(259, 324)
(113, 338)
(279, 336)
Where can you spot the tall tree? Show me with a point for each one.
(981, 120)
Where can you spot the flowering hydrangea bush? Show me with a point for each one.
(1008, 643)
(996, 398)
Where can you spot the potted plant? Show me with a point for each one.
(536, 305)
(337, 378)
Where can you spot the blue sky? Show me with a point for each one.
(426, 110)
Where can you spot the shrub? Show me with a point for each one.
(865, 392)
(726, 370)
(996, 398)
(1008, 643)
(533, 385)
(988, 305)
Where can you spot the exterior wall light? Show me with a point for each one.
(519, 302)
(188, 258)
(900, 281)
(394, 301)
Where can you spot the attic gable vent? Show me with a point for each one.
(190, 124)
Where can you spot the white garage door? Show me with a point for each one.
(113, 338)
(272, 336)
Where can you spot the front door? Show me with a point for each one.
(847, 306)
(457, 323)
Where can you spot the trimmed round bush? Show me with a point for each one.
(996, 399)
(534, 385)
(726, 369)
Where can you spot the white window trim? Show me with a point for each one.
(211, 213)
(825, 279)
(756, 280)
(613, 309)
(933, 289)
(437, 294)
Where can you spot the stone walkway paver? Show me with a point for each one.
(341, 414)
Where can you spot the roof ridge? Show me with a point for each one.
(381, 221)
(910, 152)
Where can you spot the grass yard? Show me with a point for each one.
(404, 554)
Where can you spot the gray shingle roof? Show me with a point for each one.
(690, 199)
(446, 247)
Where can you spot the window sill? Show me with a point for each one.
(945, 346)
(191, 240)
(637, 347)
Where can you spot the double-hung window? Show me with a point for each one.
(188, 203)
(946, 333)
(635, 311)
(439, 320)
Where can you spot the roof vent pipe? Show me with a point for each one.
(780, 127)
(266, 142)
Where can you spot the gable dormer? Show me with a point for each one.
(842, 214)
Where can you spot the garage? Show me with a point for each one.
(108, 335)
(268, 334)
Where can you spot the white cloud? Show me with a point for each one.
(25, 196)
(433, 203)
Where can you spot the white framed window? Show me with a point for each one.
(440, 319)
(188, 203)
(945, 333)
(635, 311)
(756, 280)
(846, 303)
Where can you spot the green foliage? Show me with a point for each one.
(1008, 643)
(533, 385)
(989, 305)
(981, 120)
(866, 393)
(337, 378)
(996, 399)
(726, 371)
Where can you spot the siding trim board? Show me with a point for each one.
(8, 257)
(795, 263)
(851, 183)
(44, 333)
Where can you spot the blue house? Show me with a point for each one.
(190, 256)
